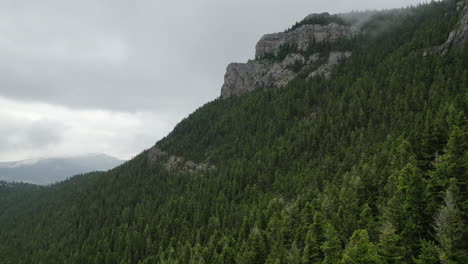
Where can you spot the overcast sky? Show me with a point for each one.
(115, 76)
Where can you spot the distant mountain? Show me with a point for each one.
(50, 170)
(328, 147)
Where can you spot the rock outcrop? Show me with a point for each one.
(333, 59)
(302, 38)
(460, 35)
(175, 163)
(241, 78)
(268, 71)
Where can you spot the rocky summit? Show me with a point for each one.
(460, 34)
(303, 37)
(359, 157)
(272, 69)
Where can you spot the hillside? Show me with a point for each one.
(51, 170)
(365, 161)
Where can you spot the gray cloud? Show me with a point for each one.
(15, 134)
(163, 58)
(128, 55)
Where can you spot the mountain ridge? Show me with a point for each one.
(45, 171)
(367, 166)
(281, 57)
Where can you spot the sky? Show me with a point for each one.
(115, 76)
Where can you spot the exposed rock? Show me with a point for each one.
(314, 15)
(292, 59)
(242, 77)
(334, 58)
(265, 72)
(458, 36)
(313, 58)
(280, 74)
(302, 37)
(155, 154)
(174, 163)
(245, 77)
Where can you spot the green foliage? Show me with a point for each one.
(360, 250)
(353, 169)
(390, 245)
(331, 247)
(320, 19)
(449, 229)
(312, 253)
(429, 253)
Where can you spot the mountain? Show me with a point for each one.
(364, 161)
(51, 170)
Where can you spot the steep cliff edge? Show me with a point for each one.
(460, 34)
(279, 57)
(377, 154)
(303, 37)
(312, 47)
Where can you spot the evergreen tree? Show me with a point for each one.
(282, 175)
(429, 253)
(449, 228)
(389, 246)
(360, 250)
(294, 256)
(311, 252)
(331, 248)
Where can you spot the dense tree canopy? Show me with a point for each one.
(368, 167)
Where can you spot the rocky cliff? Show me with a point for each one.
(280, 57)
(303, 37)
(271, 69)
(176, 163)
(245, 77)
(460, 34)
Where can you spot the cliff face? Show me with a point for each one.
(245, 77)
(333, 59)
(303, 37)
(460, 34)
(267, 71)
(280, 57)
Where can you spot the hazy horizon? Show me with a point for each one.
(114, 77)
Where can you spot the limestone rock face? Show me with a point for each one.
(302, 37)
(267, 71)
(460, 35)
(279, 74)
(334, 58)
(241, 78)
(176, 163)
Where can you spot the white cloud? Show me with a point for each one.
(145, 64)
(36, 130)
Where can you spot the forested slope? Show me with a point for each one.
(370, 166)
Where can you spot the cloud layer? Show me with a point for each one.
(124, 72)
(33, 130)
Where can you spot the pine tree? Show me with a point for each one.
(405, 209)
(294, 256)
(449, 228)
(276, 233)
(312, 249)
(331, 248)
(453, 164)
(256, 249)
(429, 253)
(390, 242)
(360, 250)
